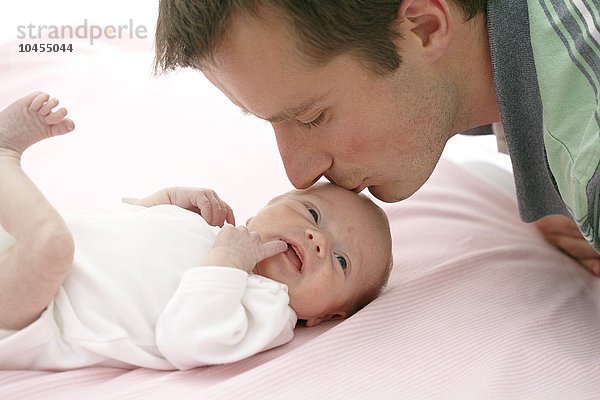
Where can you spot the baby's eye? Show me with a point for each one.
(314, 214)
(342, 261)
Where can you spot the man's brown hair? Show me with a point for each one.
(189, 31)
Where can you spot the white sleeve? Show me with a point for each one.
(220, 315)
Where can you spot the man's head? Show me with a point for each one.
(365, 93)
(339, 250)
(189, 31)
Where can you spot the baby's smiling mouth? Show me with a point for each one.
(294, 256)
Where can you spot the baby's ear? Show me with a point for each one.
(327, 317)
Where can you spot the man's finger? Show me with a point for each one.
(592, 265)
(575, 247)
(558, 224)
(272, 248)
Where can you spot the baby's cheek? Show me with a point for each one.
(306, 297)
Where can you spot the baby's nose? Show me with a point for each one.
(316, 241)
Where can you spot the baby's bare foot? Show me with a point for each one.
(31, 119)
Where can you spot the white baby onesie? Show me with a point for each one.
(137, 297)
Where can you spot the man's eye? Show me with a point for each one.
(342, 261)
(314, 214)
(314, 123)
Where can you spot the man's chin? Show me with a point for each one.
(387, 194)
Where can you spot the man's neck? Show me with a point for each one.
(471, 64)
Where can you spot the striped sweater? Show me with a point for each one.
(546, 62)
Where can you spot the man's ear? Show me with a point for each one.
(327, 317)
(430, 21)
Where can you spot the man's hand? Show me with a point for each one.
(201, 201)
(563, 233)
(239, 248)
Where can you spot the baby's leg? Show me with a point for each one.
(32, 270)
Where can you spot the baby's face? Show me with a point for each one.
(335, 239)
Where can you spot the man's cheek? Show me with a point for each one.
(357, 143)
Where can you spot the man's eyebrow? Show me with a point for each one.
(293, 112)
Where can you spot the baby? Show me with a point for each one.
(159, 286)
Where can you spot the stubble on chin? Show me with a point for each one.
(388, 195)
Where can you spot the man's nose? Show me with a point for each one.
(304, 163)
(317, 242)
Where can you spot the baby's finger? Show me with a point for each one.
(255, 236)
(215, 209)
(225, 211)
(242, 229)
(223, 208)
(203, 204)
(129, 200)
(230, 218)
(272, 248)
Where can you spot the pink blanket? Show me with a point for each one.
(479, 306)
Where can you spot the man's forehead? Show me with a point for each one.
(264, 74)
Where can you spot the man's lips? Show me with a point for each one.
(356, 188)
(360, 187)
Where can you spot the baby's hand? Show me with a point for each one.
(201, 201)
(239, 248)
(31, 119)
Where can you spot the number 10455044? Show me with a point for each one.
(45, 48)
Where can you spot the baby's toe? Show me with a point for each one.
(56, 116)
(64, 126)
(47, 108)
(38, 101)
